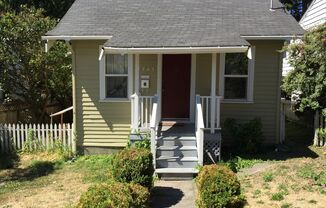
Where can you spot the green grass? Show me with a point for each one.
(286, 205)
(239, 163)
(283, 189)
(95, 167)
(268, 177)
(279, 196)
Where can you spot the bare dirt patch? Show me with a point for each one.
(298, 182)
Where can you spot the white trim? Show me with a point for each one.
(270, 37)
(112, 100)
(193, 87)
(250, 78)
(159, 84)
(67, 38)
(221, 74)
(236, 101)
(178, 50)
(130, 74)
(102, 75)
(251, 75)
(137, 74)
(213, 93)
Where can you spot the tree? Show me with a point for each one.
(52, 8)
(308, 58)
(296, 7)
(27, 72)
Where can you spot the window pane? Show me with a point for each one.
(116, 64)
(235, 88)
(236, 64)
(116, 87)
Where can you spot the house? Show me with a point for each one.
(314, 16)
(137, 63)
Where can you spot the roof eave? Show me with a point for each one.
(177, 50)
(271, 37)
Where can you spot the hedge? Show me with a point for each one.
(115, 195)
(133, 165)
(218, 187)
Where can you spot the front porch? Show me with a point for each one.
(177, 122)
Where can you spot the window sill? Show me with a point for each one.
(231, 101)
(114, 100)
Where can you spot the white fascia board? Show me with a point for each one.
(67, 38)
(177, 50)
(271, 37)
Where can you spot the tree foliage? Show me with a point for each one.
(308, 58)
(296, 7)
(52, 8)
(27, 72)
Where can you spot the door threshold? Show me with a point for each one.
(174, 122)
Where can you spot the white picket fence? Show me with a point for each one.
(15, 136)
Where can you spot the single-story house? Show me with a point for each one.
(142, 65)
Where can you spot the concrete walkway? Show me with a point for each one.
(177, 194)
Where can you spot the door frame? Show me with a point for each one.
(192, 85)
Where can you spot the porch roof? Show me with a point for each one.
(175, 23)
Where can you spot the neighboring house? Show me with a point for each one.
(138, 62)
(314, 16)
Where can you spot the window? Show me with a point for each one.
(237, 76)
(115, 77)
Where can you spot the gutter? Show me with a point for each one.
(177, 50)
(68, 38)
(270, 37)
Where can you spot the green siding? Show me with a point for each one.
(98, 123)
(148, 66)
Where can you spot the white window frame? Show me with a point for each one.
(249, 76)
(103, 75)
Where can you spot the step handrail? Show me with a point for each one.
(154, 127)
(199, 130)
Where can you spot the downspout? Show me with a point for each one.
(271, 7)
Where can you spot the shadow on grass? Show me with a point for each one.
(8, 160)
(165, 196)
(298, 139)
(35, 170)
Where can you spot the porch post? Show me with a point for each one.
(137, 74)
(159, 85)
(213, 93)
(193, 87)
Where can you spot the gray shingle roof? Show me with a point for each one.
(175, 23)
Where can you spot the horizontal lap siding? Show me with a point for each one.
(266, 92)
(99, 124)
(266, 89)
(315, 15)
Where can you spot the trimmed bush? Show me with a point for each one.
(115, 195)
(218, 187)
(133, 165)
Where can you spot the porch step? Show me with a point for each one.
(173, 151)
(176, 162)
(176, 170)
(176, 140)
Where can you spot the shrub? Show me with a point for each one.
(133, 165)
(248, 136)
(115, 194)
(218, 186)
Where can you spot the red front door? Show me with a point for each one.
(176, 86)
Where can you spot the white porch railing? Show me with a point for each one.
(211, 111)
(141, 111)
(199, 123)
(154, 128)
(207, 118)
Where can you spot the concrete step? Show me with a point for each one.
(176, 162)
(183, 151)
(176, 140)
